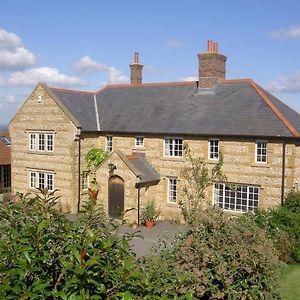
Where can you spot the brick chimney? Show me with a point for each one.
(136, 70)
(212, 66)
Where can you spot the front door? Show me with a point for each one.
(115, 196)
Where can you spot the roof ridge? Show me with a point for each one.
(277, 112)
(242, 80)
(70, 91)
(146, 84)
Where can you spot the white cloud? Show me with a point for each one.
(16, 58)
(7, 101)
(9, 39)
(12, 55)
(174, 43)
(88, 65)
(31, 77)
(290, 32)
(189, 78)
(285, 84)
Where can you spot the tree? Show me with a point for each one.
(197, 178)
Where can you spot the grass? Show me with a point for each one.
(290, 287)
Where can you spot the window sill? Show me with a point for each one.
(212, 161)
(40, 153)
(171, 158)
(260, 165)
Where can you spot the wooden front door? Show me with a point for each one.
(115, 196)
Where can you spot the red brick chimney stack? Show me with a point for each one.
(212, 66)
(136, 75)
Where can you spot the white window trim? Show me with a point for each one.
(87, 181)
(52, 134)
(29, 141)
(209, 152)
(139, 137)
(234, 210)
(172, 138)
(168, 195)
(106, 143)
(37, 177)
(267, 156)
(37, 141)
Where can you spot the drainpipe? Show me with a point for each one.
(79, 170)
(283, 172)
(139, 198)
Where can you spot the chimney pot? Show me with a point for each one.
(215, 47)
(209, 46)
(136, 57)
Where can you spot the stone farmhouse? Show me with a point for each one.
(5, 156)
(144, 127)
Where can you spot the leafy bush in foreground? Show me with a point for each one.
(45, 256)
(217, 258)
(282, 224)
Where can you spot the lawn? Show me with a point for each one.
(290, 285)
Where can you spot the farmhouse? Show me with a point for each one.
(144, 127)
(4, 162)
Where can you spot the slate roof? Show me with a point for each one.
(140, 167)
(5, 148)
(231, 108)
(147, 174)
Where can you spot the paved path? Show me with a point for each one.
(164, 230)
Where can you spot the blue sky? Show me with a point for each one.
(87, 44)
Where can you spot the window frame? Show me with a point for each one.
(50, 147)
(209, 149)
(236, 192)
(85, 181)
(173, 147)
(137, 144)
(171, 197)
(35, 144)
(37, 177)
(108, 143)
(261, 155)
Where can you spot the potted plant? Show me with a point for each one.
(149, 214)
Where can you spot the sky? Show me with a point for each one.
(86, 45)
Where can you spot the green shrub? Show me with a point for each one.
(218, 258)
(45, 256)
(292, 201)
(282, 224)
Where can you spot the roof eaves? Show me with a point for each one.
(274, 109)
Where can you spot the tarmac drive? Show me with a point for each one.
(164, 230)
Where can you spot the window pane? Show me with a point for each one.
(261, 151)
(50, 181)
(214, 149)
(32, 140)
(49, 142)
(32, 179)
(41, 180)
(41, 141)
(139, 141)
(172, 190)
(173, 147)
(236, 197)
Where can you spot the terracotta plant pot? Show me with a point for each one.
(149, 224)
